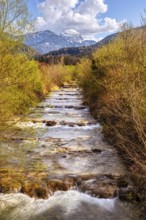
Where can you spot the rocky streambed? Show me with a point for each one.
(70, 172)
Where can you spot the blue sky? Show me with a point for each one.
(92, 18)
(126, 9)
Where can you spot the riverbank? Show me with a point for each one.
(113, 84)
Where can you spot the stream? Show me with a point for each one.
(83, 175)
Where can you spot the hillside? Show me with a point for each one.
(46, 41)
(86, 50)
(82, 50)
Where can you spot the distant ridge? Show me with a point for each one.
(82, 50)
(46, 41)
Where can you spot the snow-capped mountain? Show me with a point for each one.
(72, 36)
(46, 41)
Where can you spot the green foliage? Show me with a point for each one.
(14, 17)
(19, 77)
(20, 81)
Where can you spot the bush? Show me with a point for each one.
(20, 82)
(114, 86)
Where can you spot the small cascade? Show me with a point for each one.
(68, 205)
(82, 175)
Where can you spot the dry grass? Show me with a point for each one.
(115, 89)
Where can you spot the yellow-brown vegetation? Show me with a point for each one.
(114, 86)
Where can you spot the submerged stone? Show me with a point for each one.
(51, 123)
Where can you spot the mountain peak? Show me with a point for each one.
(46, 41)
(72, 36)
(71, 32)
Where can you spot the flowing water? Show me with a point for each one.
(83, 172)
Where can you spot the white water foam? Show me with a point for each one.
(31, 125)
(70, 205)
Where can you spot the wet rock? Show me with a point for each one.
(79, 107)
(69, 106)
(80, 124)
(55, 106)
(70, 94)
(122, 182)
(96, 151)
(102, 191)
(41, 192)
(51, 123)
(131, 194)
(62, 99)
(35, 189)
(40, 106)
(17, 138)
(72, 124)
(92, 123)
(102, 187)
(70, 182)
(55, 184)
(68, 86)
(43, 146)
(38, 121)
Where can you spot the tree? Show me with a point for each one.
(14, 17)
(19, 77)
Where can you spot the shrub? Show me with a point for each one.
(114, 86)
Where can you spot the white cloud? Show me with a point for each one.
(110, 25)
(40, 23)
(81, 16)
(92, 7)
